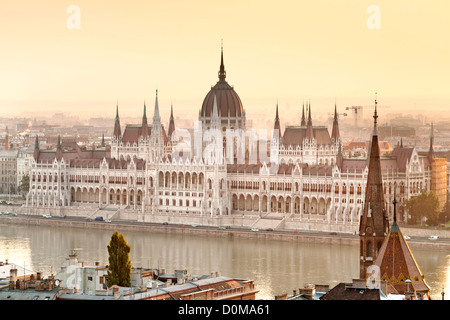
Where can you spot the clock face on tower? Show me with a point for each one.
(368, 230)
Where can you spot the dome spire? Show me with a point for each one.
(222, 73)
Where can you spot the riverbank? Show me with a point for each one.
(418, 239)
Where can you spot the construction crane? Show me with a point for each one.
(358, 112)
(331, 115)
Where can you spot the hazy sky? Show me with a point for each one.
(281, 50)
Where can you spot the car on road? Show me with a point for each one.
(46, 216)
(433, 237)
(107, 220)
(255, 229)
(406, 237)
(98, 218)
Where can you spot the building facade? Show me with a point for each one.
(219, 167)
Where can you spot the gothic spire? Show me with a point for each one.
(59, 149)
(103, 140)
(215, 121)
(222, 73)
(144, 130)
(36, 149)
(156, 116)
(171, 123)
(309, 129)
(335, 131)
(374, 222)
(375, 116)
(431, 150)
(117, 132)
(303, 123)
(277, 123)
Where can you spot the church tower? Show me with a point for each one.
(374, 222)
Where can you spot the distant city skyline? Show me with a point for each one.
(288, 51)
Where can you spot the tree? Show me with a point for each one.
(425, 205)
(119, 270)
(25, 184)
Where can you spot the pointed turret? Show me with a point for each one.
(117, 134)
(156, 116)
(303, 123)
(144, 130)
(171, 123)
(431, 150)
(157, 135)
(374, 222)
(215, 121)
(335, 136)
(309, 128)
(59, 153)
(339, 156)
(36, 149)
(276, 126)
(103, 140)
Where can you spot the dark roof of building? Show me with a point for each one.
(397, 263)
(294, 135)
(402, 155)
(346, 291)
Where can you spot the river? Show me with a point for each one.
(276, 267)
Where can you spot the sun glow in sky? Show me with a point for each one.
(288, 51)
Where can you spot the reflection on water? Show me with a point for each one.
(276, 267)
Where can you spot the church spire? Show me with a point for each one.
(374, 222)
(222, 73)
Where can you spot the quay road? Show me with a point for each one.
(279, 234)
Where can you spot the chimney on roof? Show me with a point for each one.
(12, 278)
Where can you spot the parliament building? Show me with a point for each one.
(222, 168)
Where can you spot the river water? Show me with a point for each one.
(276, 267)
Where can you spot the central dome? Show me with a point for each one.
(229, 104)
